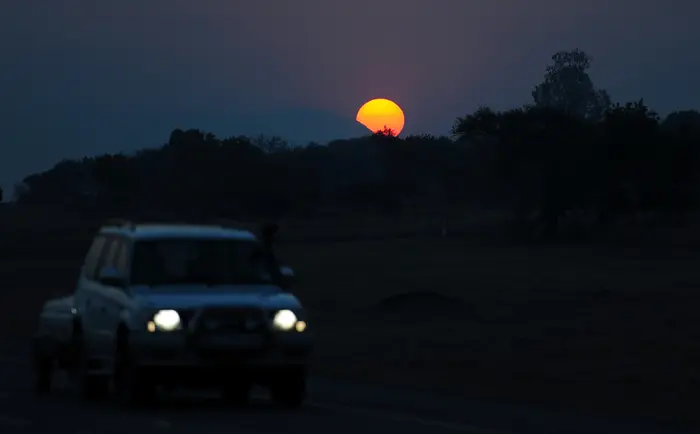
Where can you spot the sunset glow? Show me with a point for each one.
(379, 113)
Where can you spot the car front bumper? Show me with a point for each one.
(218, 375)
(178, 351)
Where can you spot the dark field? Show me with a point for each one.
(613, 329)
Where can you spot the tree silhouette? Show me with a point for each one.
(683, 122)
(387, 132)
(568, 87)
(20, 192)
(570, 153)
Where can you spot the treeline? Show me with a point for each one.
(571, 154)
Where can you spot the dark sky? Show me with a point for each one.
(84, 76)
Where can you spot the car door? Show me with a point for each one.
(86, 294)
(115, 298)
(102, 301)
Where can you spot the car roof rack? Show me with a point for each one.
(118, 222)
(221, 222)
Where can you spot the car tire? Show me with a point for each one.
(132, 388)
(42, 372)
(237, 393)
(288, 388)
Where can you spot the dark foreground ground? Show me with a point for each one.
(334, 407)
(576, 336)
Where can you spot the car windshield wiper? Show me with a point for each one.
(211, 281)
(188, 281)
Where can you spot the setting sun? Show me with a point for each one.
(379, 113)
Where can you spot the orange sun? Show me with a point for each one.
(380, 113)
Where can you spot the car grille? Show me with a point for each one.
(239, 320)
(186, 316)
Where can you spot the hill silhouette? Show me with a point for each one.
(570, 155)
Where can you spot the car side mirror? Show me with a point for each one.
(110, 276)
(288, 276)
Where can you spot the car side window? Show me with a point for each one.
(122, 260)
(109, 257)
(93, 256)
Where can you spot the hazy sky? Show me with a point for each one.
(84, 76)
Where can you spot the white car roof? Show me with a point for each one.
(160, 231)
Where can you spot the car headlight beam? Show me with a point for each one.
(284, 320)
(167, 320)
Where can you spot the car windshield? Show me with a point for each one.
(199, 261)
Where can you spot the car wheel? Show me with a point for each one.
(237, 393)
(288, 388)
(43, 373)
(131, 387)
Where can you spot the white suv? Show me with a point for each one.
(178, 305)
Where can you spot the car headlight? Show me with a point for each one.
(285, 320)
(165, 320)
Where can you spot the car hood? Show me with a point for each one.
(196, 296)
